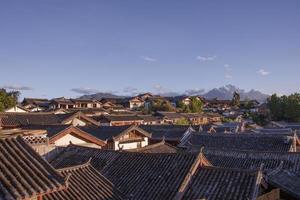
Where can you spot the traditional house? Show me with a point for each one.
(217, 105)
(214, 117)
(169, 175)
(118, 120)
(160, 147)
(35, 105)
(61, 102)
(86, 103)
(145, 96)
(63, 135)
(15, 120)
(172, 134)
(107, 104)
(170, 117)
(120, 137)
(196, 118)
(17, 109)
(128, 171)
(90, 112)
(77, 119)
(136, 103)
(150, 120)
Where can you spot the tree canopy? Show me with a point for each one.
(8, 99)
(236, 99)
(195, 106)
(161, 105)
(285, 108)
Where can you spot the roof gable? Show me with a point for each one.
(75, 131)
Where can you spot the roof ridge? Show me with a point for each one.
(76, 167)
(231, 169)
(250, 152)
(189, 176)
(163, 142)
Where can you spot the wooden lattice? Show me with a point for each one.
(36, 139)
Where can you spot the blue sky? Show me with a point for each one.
(54, 48)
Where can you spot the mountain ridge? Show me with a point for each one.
(221, 93)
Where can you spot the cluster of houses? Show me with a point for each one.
(134, 105)
(82, 150)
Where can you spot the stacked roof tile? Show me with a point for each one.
(160, 147)
(23, 173)
(167, 132)
(46, 119)
(245, 141)
(86, 183)
(149, 176)
(286, 180)
(252, 160)
(162, 175)
(76, 155)
(217, 183)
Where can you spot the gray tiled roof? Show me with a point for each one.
(23, 173)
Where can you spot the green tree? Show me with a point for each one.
(276, 104)
(285, 107)
(8, 99)
(236, 99)
(259, 119)
(161, 105)
(195, 106)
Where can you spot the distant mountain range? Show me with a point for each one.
(227, 91)
(222, 93)
(102, 95)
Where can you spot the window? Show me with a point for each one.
(139, 144)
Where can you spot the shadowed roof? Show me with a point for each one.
(111, 132)
(160, 147)
(217, 183)
(23, 173)
(243, 141)
(253, 159)
(86, 183)
(169, 132)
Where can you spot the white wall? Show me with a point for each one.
(76, 122)
(15, 109)
(65, 140)
(131, 145)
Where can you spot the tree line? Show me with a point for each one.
(284, 108)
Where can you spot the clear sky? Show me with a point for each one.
(56, 48)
